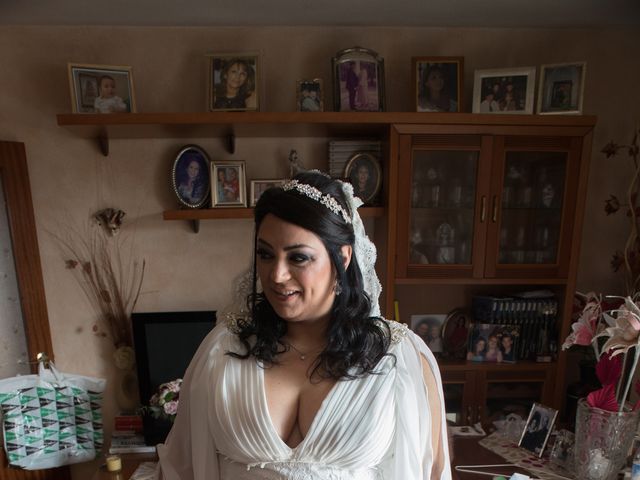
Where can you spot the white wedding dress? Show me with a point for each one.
(375, 427)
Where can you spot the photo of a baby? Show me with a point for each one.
(101, 89)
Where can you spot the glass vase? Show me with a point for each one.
(602, 441)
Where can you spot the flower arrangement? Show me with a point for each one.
(619, 327)
(628, 259)
(164, 403)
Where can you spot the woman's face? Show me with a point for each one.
(295, 270)
(222, 175)
(493, 343)
(480, 346)
(193, 170)
(232, 174)
(363, 174)
(435, 81)
(236, 75)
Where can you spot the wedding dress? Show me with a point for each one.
(376, 427)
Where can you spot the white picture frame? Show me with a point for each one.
(504, 90)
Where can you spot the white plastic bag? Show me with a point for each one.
(51, 419)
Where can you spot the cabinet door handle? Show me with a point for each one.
(483, 209)
(494, 217)
(469, 415)
(479, 418)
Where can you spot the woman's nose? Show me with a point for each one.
(280, 272)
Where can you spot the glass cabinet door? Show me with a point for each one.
(441, 216)
(459, 388)
(532, 207)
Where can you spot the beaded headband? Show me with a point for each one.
(315, 194)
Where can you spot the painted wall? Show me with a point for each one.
(70, 178)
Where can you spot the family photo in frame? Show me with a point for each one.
(233, 82)
(538, 428)
(309, 95)
(493, 343)
(358, 81)
(101, 89)
(258, 187)
(504, 90)
(228, 180)
(190, 176)
(438, 83)
(429, 328)
(561, 88)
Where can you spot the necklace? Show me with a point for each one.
(302, 355)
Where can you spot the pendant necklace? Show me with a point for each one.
(302, 355)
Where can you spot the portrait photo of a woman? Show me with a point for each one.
(363, 172)
(190, 176)
(438, 83)
(233, 83)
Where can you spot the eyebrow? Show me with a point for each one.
(288, 247)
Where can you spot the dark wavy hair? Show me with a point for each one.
(356, 341)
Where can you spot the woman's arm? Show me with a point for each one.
(435, 409)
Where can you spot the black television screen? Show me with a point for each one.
(165, 342)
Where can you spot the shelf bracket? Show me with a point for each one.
(231, 143)
(195, 225)
(103, 143)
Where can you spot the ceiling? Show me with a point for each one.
(461, 13)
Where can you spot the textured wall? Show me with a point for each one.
(70, 178)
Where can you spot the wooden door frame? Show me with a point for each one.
(22, 230)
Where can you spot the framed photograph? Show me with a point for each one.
(101, 89)
(561, 88)
(258, 187)
(233, 82)
(364, 173)
(493, 343)
(455, 332)
(228, 184)
(538, 428)
(429, 328)
(190, 176)
(309, 96)
(437, 83)
(358, 81)
(508, 90)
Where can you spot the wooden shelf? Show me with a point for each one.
(464, 365)
(480, 281)
(196, 215)
(284, 124)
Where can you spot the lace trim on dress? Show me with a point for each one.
(398, 330)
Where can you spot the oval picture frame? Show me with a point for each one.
(366, 188)
(191, 193)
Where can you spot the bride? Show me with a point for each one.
(308, 381)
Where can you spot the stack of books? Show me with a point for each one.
(534, 315)
(129, 442)
(127, 436)
(341, 151)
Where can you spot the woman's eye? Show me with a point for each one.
(263, 254)
(298, 258)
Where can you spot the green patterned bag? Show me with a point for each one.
(51, 419)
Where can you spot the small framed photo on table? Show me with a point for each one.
(101, 89)
(358, 81)
(561, 88)
(258, 187)
(429, 328)
(228, 184)
(364, 173)
(538, 428)
(437, 83)
(507, 90)
(309, 95)
(233, 82)
(190, 176)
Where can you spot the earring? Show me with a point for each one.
(338, 288)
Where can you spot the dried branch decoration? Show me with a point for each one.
(110, 280)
